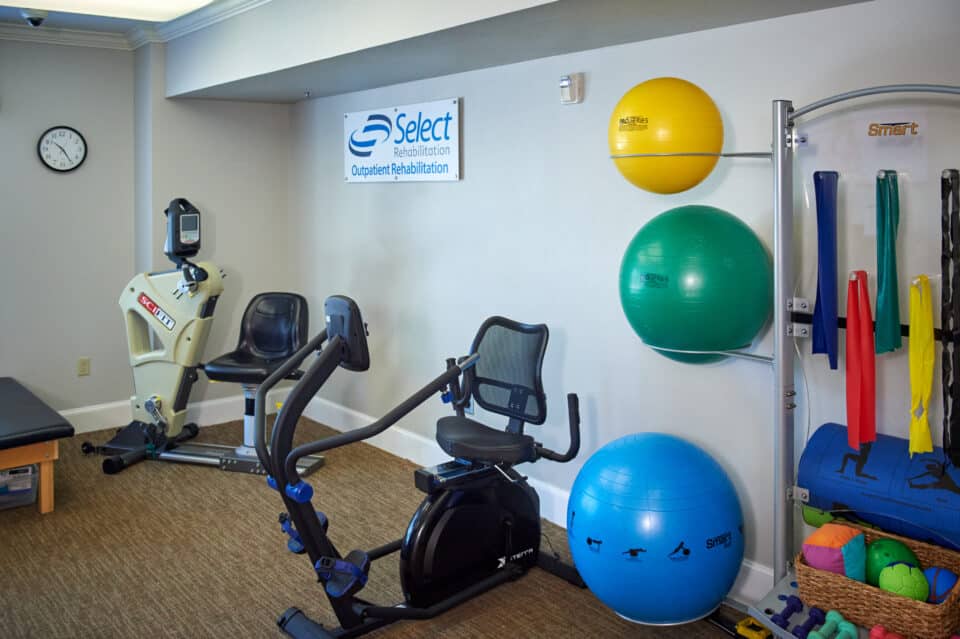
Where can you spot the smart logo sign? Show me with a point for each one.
(410, 143)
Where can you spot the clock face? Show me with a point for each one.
(62, 148)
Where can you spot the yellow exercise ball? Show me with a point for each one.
(665, 115)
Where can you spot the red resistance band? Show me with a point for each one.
(861, 364)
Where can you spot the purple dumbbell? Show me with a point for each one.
(782, 618)
(815, 617)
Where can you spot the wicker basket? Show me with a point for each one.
(867, 606)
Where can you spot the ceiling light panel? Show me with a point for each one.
(147, 10)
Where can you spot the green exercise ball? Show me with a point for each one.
(696, 278)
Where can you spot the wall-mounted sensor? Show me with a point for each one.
(571, 89)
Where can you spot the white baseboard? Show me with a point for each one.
(98, 416)
(753, 583)
(203, 413)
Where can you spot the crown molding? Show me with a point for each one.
(205, 17)
(136, 37)
(68, 37)
(144, 34)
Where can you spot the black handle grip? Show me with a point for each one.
(297, 624)
(573, 412)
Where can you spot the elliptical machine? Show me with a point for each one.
(479, 524)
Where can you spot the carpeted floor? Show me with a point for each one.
(168, 550)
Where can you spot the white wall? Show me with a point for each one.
(64, 249)
(537, 227)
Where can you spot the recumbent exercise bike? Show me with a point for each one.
(479, 525)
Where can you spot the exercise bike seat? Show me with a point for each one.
(273, 328)
(468, 439)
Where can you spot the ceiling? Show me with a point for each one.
(73, 21)
(114, 33)
(559, 27)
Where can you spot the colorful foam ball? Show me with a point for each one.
(837, 548)
(883, 552)
(941, 582)
(905, 579)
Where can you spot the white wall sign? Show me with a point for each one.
(409, 143)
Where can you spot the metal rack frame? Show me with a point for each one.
(785, 142)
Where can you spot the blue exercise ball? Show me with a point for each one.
(655, 529)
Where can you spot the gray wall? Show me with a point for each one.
(65, 252)
(71, 242)
(231, 160)
(537, 227)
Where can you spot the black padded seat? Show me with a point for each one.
(25, 419)
(241, 368)
(467, 439)
(274, 327)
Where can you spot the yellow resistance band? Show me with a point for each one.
(921, 364)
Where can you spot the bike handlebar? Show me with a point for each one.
(260, 412)
(573, 413)
(377, 427)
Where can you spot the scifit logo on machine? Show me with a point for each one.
(156, 311)
(409, 143)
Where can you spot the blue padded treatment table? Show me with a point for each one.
(29, 430)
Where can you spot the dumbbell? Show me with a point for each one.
(815, 617)
(879, 632)
(782, 618)
(836, 627)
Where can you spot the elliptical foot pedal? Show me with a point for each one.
(344, 577)
(295, 543)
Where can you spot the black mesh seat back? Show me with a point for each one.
(507, 376)
(274, 325)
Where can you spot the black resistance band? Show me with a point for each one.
(950, 310)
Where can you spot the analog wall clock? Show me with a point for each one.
(62, 149)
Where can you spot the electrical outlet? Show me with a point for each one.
(83, 367)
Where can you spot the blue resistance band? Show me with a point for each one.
(825, 325)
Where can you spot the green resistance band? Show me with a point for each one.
(888, 301)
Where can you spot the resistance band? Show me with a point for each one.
(825, 325)
(950, 310)
(888, 301)
(921, 364)
(861, 364)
